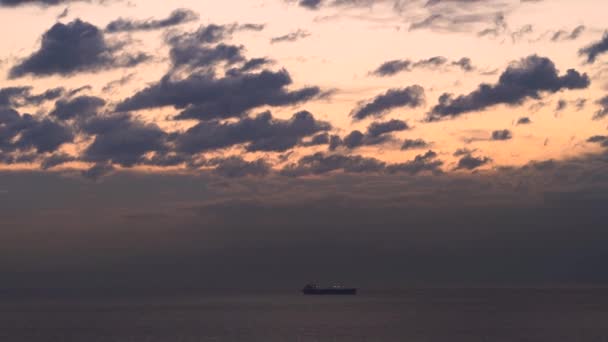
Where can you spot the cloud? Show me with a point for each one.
(470, 162)
(15, 3)
(205, 97)
(527, 78)
(562, 35)
(22, 96)
(378, 128)
(290, 37)
(502, 135)
(121, 139)
(414, 144)
(237, 167)
(79, 107)
(320, 163)
(97, 171)
(412, 96)
(177, 17)
(422, 163)
(524, 121)
(603, 111)
(74, 47)
(393, 67)
(55, 160)
(26, 132)
(596, 49)
(260, 133)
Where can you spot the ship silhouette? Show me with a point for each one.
(313, 289)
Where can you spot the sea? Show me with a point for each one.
(427, 315)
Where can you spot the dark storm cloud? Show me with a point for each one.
(74, 47)
(394, 67)
(470, 162)
(414, 144)
(121, 139)
(596, 49)
(412, 96)
(177, 17)
(260, 133)
(22, 96)
(603, 111)
(237, 167)
(290, 37)
(79, 107)
(528, 78)
(502, 135)
(205, 97)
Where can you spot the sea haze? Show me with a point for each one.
(416, 315)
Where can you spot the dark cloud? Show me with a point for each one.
(237, 167)
(599, 139)
(565, 35)
(320, 163)
(524, 121)
(603, 111)
(22, 96)
(79, 107)
(422, 163)
(319, 139)
(205, 97)
(412, 96)
(260, 133)
(290, 37)
(15, 3)
(378, 128)
(98, 170)
(121, 139)
(414, 144)
(310, 4)
(596, 49)
(527, 78)
(502, 135)
(196, 56)
(394, 67)
(470, 162)
(26, 132)
(177, 17)
(561, 105)
(74, 47)
(55, 160)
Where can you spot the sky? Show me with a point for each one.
(265, 144)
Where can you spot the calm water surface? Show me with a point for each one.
(429, 315)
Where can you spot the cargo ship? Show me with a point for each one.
(313, 289)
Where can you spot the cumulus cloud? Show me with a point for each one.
(78, 46)
(603, 111)
(260, 133)
(412, 96)
(206, 97)
(237, 167)
(414, 144)
(24, 132)
(23, 96)
(527, 78)
(79, 107)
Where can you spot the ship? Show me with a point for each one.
(313, 289)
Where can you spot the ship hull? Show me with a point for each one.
(338, 292)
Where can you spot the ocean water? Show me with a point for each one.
(416, 316)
